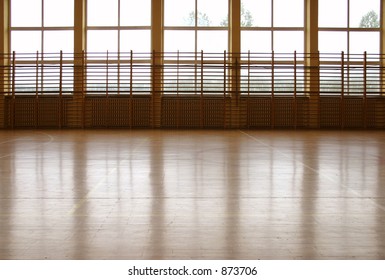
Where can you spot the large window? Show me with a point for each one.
(42, 25)
(42, 36)
(272, 25)
(267, 26)
(119, 46)
(196, 25)
(195, 40)
(352, 26)
(347, 30)
(119, 26)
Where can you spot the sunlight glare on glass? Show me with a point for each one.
(135, 40)
(288, 13)
(259, 10)
(359, 8)
(213, 13)
(332, 42)
(135, 13)
(100, 14)
(333, 13)
(213, 41)
(288, 41)
(178, 13)
(256, 41)
(20, 37)
(359, 42)
(102, 41)
(56, 41)
(179, 40)
(26, 13)
(58, 13)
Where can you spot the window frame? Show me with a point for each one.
(118, 66)
(351, 62)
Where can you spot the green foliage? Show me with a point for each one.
(370, 20)
(203, 19)
(246, 18)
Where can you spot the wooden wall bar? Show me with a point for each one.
(312, 100)
(272, 90)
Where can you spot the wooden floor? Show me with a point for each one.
(197, 194)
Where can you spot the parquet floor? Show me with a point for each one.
(192, 194)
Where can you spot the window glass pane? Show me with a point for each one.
(51, 77)
(25, 78)
(364, 14)
(135, 40)
(212, 41)
(288, 13)
(179, 40)
(256, 13)
(288, 41)
(213, 13)
(181, 78)
(102, 41)
(56, 41)
(333, 13)
(256, 41)
(179, 13)
(332, 42)
(102, 13)
(364, 41)
(58, 13)
(135, 13)
(26, 13)
(20, 37)
(97, 77)
(330, 79)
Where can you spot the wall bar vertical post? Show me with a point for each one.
(178, 114)
(131, 90)
(13, 109)
(342, 101)
(365, 105)
(201, 117)
(382, 48)
(295, 109)
(272, 118)
(107, 107)
(248, 89)
(36, 108)
(61, 91)
(224, 87)
(83, 88)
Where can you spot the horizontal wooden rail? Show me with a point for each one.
(190, 73)
(196, 90)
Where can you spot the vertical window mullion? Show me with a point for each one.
(196, 26)
(42, 49)
(42, 27)
(272, 25)
(119, 13)
(348, 25)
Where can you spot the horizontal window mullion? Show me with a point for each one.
(118, 27)
(272, 28)
(346, 29)
(195, 28)
(41, 28)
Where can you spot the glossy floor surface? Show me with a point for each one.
(198, 194)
